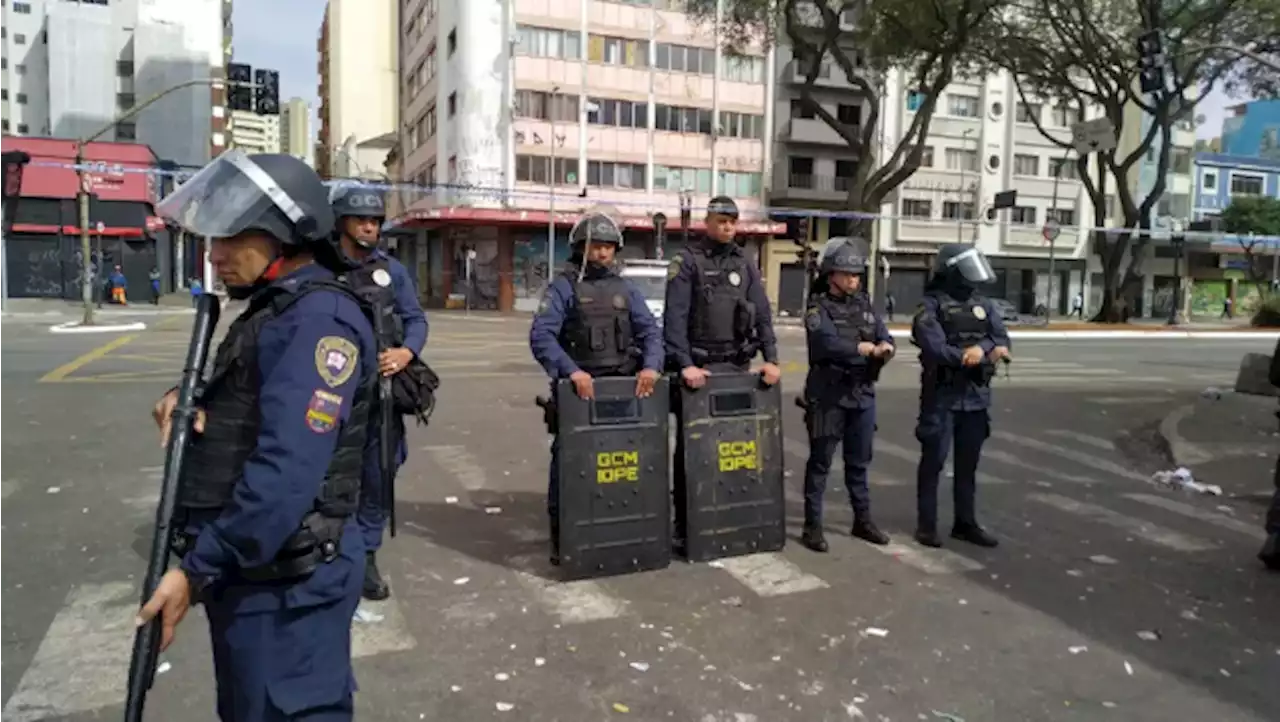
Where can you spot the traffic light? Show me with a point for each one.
(1151, 62)
(804, 253)
(266, 95)
(239, 97)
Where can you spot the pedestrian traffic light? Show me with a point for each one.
(239, 94)
(266, 94)
(1151, 62)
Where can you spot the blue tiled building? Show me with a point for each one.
(1220, 177)
(1253, 129)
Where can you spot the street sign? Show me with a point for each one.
(101, 226)
(1005, 199)
(1051, 230)
(1093, 136)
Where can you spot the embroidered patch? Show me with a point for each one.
(677, 261)
(619, 302)
(980, 313)
(323, 411)
(812, 320)
(545, 304)
(382, 278)
(336, 359)
(734, 278)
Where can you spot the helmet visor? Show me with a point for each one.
(596, 228)
(226, 197)
(972, 266)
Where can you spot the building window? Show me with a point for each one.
(1209, 181)
(451, 44)
(22, 128)
(548, 43)
(453, 104)
(963, 106)
(19, 39)
(677, 119)
(1180, 162)
(801, 109)
(1246, 185)
(915, 99)
(672, 178)
(126, 131)
(849, 114)
(739, 185)
(1028, 113)
(1063, 168)
(124, 68)
(20, 69)
(125, 100)
(1065, 115)
(741, 125)
(453, 168)
(965, 160)
(534, 168)
(913, 208)
(607, 174)
(540, 105)
(1024, 215)
(22, 8)
(1026, 164)
(4, 125)
(22, 98)
(618, 51)
(428, 67)
(956, 211)
(618, 113)
(1064, 216)
(926, 157)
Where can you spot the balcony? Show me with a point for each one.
(814, 131)
(798, 187)
(831, 78)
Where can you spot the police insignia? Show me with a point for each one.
(676, 262)
(619, 302)
(812, 320)
(869, 317)
(980, 313)
(382, 278)
(336, 359)
(545, 304)
(323, 411)
(734, 278)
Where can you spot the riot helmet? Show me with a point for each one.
(845, 254)
(594, 227)
(358, 201)
(273, 193)
(963, 264)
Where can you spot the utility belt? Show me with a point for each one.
(317, 542)
(841, 374)
(738, 357)
(979, 375)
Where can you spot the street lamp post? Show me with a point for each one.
(551, 187)
(1178, 240)
(86, 247)
(686, 214)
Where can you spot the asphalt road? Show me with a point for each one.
(1108, 599)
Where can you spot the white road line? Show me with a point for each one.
(574, 602)
(7, 488)
(929, 561)
(1086, 439)
(462, 464)
(771, 575)
(1138, 528)
(1126, 400)
(885, 446)
(1090, 460)
(1039, 371)
(390, 633)
(83, 660)
(1193, 512)
(1038, 470)
(798, 450)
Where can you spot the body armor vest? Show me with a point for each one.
(215, 461)
(964, 322)
(722, 320)
(382, 299)
(855, 322)
(597, 331)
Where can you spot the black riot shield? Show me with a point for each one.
(615, 504)
(733, 495)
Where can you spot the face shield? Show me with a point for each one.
(226, 197)
(972, 266)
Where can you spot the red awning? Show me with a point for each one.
(503, 216)
(122, 232)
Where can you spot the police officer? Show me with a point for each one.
(716, 318)
(386, 285)
(961, 337)
(265, 514)
(1270, 554)
(591, 323)
(848, 344)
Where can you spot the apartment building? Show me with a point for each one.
(519, 115)
(295, 130)
(358, 64)
(255, 133)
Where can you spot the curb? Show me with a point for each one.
(1121, 335)
(1183, 452)
(75, 327)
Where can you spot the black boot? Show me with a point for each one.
(974, 534)
(814, 539)
(375, 588)
(928, 537)
(866, 530)
(1270, 554)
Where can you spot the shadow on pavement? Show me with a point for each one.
(509, 529)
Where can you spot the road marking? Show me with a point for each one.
(83, 660)
(929, 561)
(1006, 458)
(462, 464)
(1046, 371)
(1126, 400)
(83, 360)
(1089, 460)
(1219, 520)
(7, 487)
(888, 447)
(574, 602)
(390, 633)
(1138, 528)
(1086, 439)
(771, 575)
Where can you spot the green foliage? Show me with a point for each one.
(1260, 215)
(1268, 313)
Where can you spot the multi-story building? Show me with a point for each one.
(359, 74)
(1253, 129)
(520, 115)
(295, 130)
(254, 132)
(72, 68)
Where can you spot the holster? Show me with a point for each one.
(316, 542)
(550, 413)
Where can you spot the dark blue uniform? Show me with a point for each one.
(954, 400)
(373, 514)
(544, 342)
(840, 396)
(682, 280)
(282, 650)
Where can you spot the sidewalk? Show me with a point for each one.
(52, 308)
(1230, 440)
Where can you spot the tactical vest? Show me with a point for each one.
(965, 324)
(855, 322)
(597, 331)
(364, 280)
(722, 320)
(215, 461)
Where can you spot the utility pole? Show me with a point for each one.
(551, 189)
(86, 245)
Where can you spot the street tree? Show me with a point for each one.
(931, 41)
(1255, 221)
(1083, 54)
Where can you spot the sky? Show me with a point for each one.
(281, 35)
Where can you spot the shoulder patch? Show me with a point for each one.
(336, 359)
(323, 411)
(813, 319)
(545, 304)
(677, 262)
